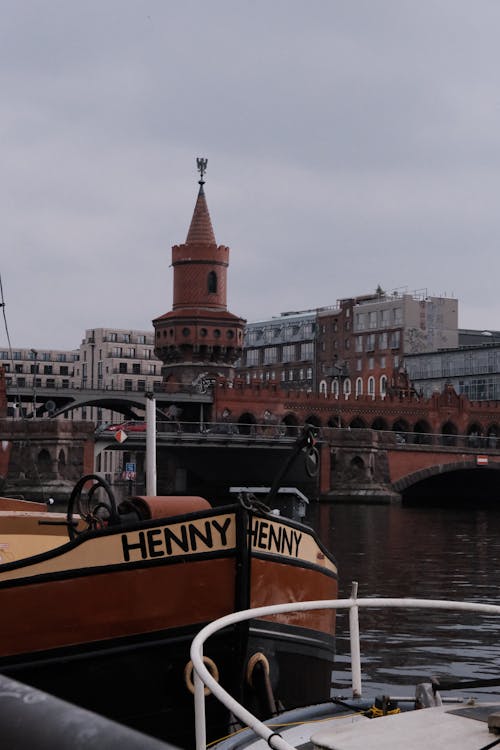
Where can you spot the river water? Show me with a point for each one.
(431, 552)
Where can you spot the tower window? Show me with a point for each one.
(212, 282)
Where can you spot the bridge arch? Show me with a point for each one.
(313, 420)
(379, 423)
(401, 425)
(479, 475)
(246, 423)
(422, 432)
(357, 424)
(449, 433)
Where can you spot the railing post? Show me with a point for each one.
(199, 712)
(355, 647)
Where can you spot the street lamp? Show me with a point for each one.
(35, 373)
(341, 376)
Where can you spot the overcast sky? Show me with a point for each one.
(350, 143)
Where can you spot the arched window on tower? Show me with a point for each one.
(212, 282)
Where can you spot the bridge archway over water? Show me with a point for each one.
(460, 483)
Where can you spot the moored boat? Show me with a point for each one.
(100, 605)
(434, 716)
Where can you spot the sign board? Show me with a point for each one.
(482, 460)
(130, 467)
(120, 436)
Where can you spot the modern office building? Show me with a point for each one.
(473, 369)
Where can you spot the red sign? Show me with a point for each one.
(482, 460)
(120, 436)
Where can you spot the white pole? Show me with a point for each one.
(150, 444)
(355, 647)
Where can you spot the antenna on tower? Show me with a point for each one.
(201, 165)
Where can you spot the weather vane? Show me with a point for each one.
(202, 168)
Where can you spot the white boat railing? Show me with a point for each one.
(203, 678)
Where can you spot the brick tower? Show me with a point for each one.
(198, 338)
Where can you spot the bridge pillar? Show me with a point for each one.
(359, 468)
(44, 457)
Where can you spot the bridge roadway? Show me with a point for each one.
(54, 402)
(352, 461)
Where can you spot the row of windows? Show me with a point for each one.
(124, 338)
(39, 356)
(385, 340)
(301, 374)
(379, 318)
(359, 387)
(37, 369)
(274, 354)
(271, 333)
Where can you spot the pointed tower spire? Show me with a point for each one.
(199, 337)
(201, 230)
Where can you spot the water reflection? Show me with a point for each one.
(416, 552)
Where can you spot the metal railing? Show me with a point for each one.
(202, 676)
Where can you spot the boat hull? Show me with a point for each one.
(106, 622)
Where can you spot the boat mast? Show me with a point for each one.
(150, 444)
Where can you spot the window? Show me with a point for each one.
(127, 385)
(47, 369)
(141, 385)
(252, 357)
(395, 339)
(359, 386)
(18, 368)
(383, 385)
(359, 364)
(122, 367)
(21, 382)
(382, 361)
(126, 338)
(146, 353)
(51, 383)
(16, 355)
(306, 351)
(288, 353)
(64, 370)
(116, 351)
(141, 339)
(270, 355)
(370, 342)
(212, 282)
(309, 373)
(382, 340)
(359, 343)
(113, 337)
(372, 319)
(371, 386)
(371, 363)
(61, 357)
(152, 369)
(360, 321)
(136, 368)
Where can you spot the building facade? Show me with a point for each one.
(281, 350)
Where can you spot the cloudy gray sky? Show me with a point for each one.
(350, 143)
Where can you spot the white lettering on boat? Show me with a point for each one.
(180, 539)
(275, 537)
